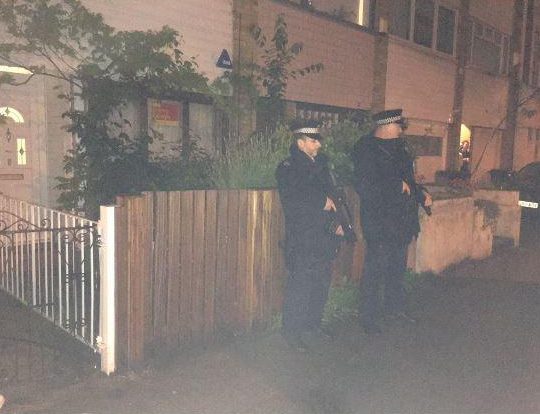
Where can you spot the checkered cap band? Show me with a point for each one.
(307, 131)
(389, 120)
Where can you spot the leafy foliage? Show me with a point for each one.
(338, 144)
(252, 164)
(277, 56)
(105, 69)
(343, 302)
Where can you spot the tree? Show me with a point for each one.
(277, 57)
(106, 69)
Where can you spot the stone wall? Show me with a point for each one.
(457, 230)
(508, 221)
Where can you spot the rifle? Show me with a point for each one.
(417, 187)
(409, 179)
(343, 214)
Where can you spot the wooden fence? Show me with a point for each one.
(194, 264)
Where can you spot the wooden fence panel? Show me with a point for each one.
(122, 285)
(186, 266)
(231, 247)
(222, 270)
(210, 264)
(160, 236)
(243, 275)
(194, 264)
(198, 258)
(174, 271)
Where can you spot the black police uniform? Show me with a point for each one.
(303, 185)
(389, 220)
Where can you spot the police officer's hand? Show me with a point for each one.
(428, 201)
(329, 206)
(406, 188)
(339, 231)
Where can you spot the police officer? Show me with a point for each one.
(310, 246)
(389, 199)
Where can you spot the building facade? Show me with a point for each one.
(452, 65)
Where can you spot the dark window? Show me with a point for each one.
(486, 55)
(489, 49)
(445, 30)
(401, 19)
(423, 22)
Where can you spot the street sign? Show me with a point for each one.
(224, 61)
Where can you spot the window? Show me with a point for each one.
(489, 49)
(445, 30)
(433, 25)
(328, 115)
(423, 22)
(401, 21)
(21, 151)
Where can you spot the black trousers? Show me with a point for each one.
(385, 263)
(305, 295)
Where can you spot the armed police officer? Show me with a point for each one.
(304, 186)
(389, 200)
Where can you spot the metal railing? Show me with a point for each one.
(49, 260)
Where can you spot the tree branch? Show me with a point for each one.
(23, 82)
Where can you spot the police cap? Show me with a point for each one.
(308, 127)
(391, 116)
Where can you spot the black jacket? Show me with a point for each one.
(303, 186)
(387, 214)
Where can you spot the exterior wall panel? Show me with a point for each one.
(485, 99)
(420, 82)
(205, 25)
(347, 54)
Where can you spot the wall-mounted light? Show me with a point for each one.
(8, 135)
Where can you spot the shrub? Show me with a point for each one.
(253, 162)
(338, 144)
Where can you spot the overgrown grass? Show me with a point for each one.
(252, 164)
(414, 280)
(344, 299)
(343, 302)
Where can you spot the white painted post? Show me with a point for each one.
(107, 339)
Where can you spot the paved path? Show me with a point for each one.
(475, 350)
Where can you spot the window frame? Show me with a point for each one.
(435, 29)
(22, 158)
(502, 43)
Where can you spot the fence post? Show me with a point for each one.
(107, 307)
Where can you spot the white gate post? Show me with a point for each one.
(107, 306)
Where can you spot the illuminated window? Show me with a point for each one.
(12, 113)
(21, 151)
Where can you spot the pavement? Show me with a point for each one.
(475, 349)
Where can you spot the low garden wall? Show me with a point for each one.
(457, 230)
(507, 223)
